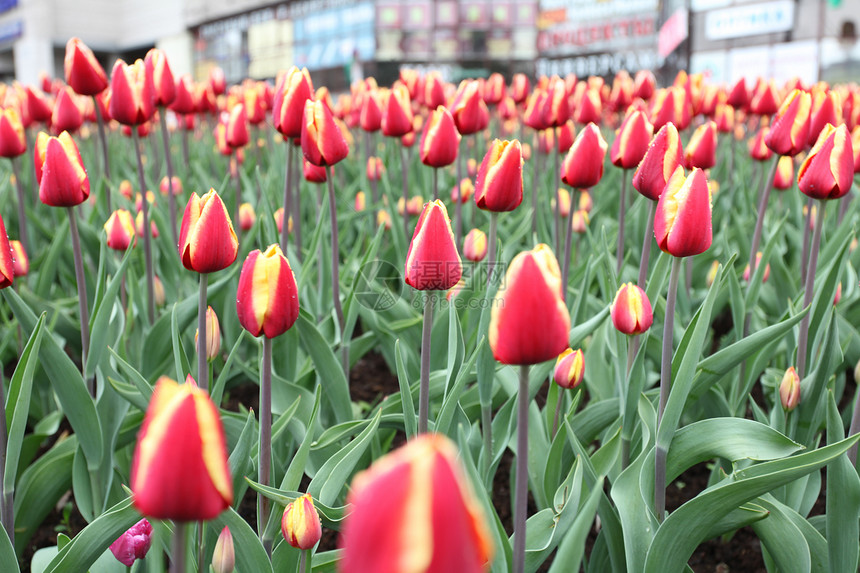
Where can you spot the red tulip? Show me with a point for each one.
(7, 265)
(267, 300)
(556, 109)
(163, 83)
(631, 140)
(670, 106)
(494, 89)
(293, 90)
(569, 369)
(664, 155)
(765, 275)
(180, 468)
(183, 101)
(300, 524)
(784, 177)
(120, 230)
(12, 140)
(237, 127)
(415, 506)
(375, 169)
(432, 262)
(323, 143)
(468, 109)
(757, 147)
(724, 116)
(175, 182)
(583, 165)
(682, 223)
(701, 150)
(38, 105)
(828, 170)
(475, 245)
(440, 140)
(631, 310)
(520, 87)
(588, 108)
(434, 90)
(207, 241)
(534, 114)
(66, 115)
(132, 99)
(371, 112)
(738, 96)
(247, 216)
(20, 260)
(84, 73)
(217, 81)
(499, 184)
(764, 100)
(566, 135)
(790, 129)
(464, 191)
(397, 112)
(63, 181)
(826, 108)
(643, 84)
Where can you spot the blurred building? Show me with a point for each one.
(338, 39)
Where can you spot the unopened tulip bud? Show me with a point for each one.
(237, 127)
(440, 140)
(207, 241)
(300, 524)
(557, 108)
(20, 260)
(765, 100)
(278, 216)
(499, 184)
(569, 369)
(564, 202)
(125, 189)
(566, 134)
(267, 299)
(631, 140)
(579, 222)
(294, 89)
(757, 147)
(789, 390)
(175, 182)
(83, 71)
(701, 151)
(583, 165)
(120, 229)
(63, 181)
(164, 85)
(468, 109)
(132, 100)
(855, 145)
(682, 223)
(826, 108)
(360, 202)
(586, 203)
(670, 106)
(838, 296)
(224, 555)
(738, 95)
(323, 143)
(589, 107)
(530, 323)
(12, 140)
(383, 218)
(790, 130)
(247, 216)
(213, 335)
(631, 310)
(643, 84)
(397, 112)
(765, 275)
(475, 245)
(534, 115)
(828, 170)
(520, 87)
(158, 289)
(375, 169)
(432, 262)
(133, 544)
(463, 192)
(370, 118)
(724, 116)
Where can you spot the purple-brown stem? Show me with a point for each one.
(105, 156)
(171, 199)
(202, 363)
(285, 231)
(147, 241)
(803, 338)
(82, 297)
(619, 252)
(522, 479)
(335, 272)
(265, 450)
(424, 391)
(23, 236)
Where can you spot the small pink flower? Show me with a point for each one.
(133, 544)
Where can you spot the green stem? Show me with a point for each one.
(202, 363)
(665, 386)
(147, 234)
(803, 339)
(522, 479)
(6, 506)
(265, 450)
(424, 392)
(82, 298)
(435, 183)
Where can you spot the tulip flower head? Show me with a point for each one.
(267, 300)
(432, 262)
(20, 260)
(180, 468)
(475, 245)
(789, 390)
(790, 129)
(529, 323)
(464, 191)
(499, 184)
(133, 544)
(631, 140)
(237, 127)
(664, 155)
(66, 115)
(300, 524)
(323, 143)
(583, 165)
(293, 90)
(63, 181)
(12, 140)
(631, 310)
(828, 170)
(701, 150)
(682, 222)
(766, 273)
(132, 99)
(414, 509)
(163, 83)
(224, 555)
(397, 111)
(213, 335)
(757, 145)
(784, 177)
(7, 266)
(826, 108)
(120, 230)
(83, 71)
(440, 140)
(468, 109)
(207, 241)
(569, 369)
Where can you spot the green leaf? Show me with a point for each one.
(686, 527)
(217, 393)
(409, 421)
(570, 551)
(331, 517)
(579, 332)
(67, 382)
(180, 359)
(329, 370)
(8, 560)
(332, 476)
(250, 554)
(240, 457)
(789, 539)
(843, 500)
(445, 418)
(101, 317)
(18, 405)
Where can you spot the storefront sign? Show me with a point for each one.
(749, 20)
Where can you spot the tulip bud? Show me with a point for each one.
(670, 106)
(132, 99)
(38, 105)
(133, 544)
(579, 221)
(163, 83)
(738, 96)
(207, 241)
(790, 129)
(764, 100)
(66, 115)
(631, 140)
(784, 177)
(432, 262)
(12, 141)
(529, 321)
(682, 223)
(828, 170)
(138, 225)
(360, 202)
(300, 524)
(158, 289)
(838, 296)
(563, 207)
(566, 135)
(534, 114)
(724, 117)
(434, 90)
(267, 300)
(546, 140)
(217, 81)
(475, 245)
(701, 150)
(631, 310)
(213, 335)
(84, 73)
(247, 216)
(643, 84)
(383, 218)
(397, 112)
(237, 127)
(440, 140)
(789, 390)
(583, 165)
(278, 216)
(224, 555)
(20, 260)
(757, 146)
(415, 506)
(664, 155)
(557, 110)
(765, 275)
(375, 169)
(520, 87)
(313, 173)
(499, 185)
(63, 181)
(589, 107)
(323, 143)
(120, 230)
(180, 468)
(468, 109)
(826, 108)
(569, 369)
(463, 192)
(125, 189)
(293, 90)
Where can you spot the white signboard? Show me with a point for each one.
(749, 20)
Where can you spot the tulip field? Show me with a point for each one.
(507, 324)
